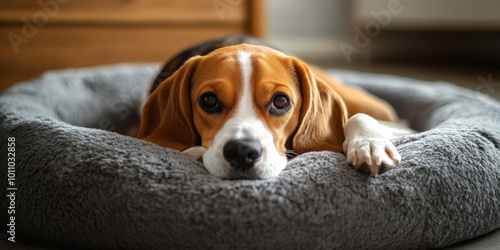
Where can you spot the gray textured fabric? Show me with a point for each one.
(78, 184)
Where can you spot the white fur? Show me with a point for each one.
(367, 142)
(244, 125)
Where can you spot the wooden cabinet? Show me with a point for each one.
(38, 35)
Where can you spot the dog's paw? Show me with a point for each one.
(372, 155)
(195, 152)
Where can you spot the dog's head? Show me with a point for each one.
(246, 105)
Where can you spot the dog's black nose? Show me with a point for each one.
(243, 153)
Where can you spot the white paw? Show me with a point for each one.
(195, 152)
(373, 156)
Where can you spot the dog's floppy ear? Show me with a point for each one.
(323, 114)
(166, 116)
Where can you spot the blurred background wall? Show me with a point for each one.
(310, 29)
(325, 30)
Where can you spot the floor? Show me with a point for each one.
(490, 241)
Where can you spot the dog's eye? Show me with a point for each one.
(210, 103)
(280, 104)
(280, 101)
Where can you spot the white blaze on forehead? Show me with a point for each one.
(245, 107)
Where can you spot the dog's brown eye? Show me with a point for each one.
(280, 104)
(280, 101)
(210, 103)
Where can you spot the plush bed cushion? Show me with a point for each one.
(78, 183)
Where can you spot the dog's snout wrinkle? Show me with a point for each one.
(242, 154)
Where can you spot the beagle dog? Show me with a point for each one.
(241, 107)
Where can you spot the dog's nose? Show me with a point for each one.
(243, 153)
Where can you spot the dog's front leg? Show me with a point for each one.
(367, 145)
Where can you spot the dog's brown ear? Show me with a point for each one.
(166, 116)
(323, 114)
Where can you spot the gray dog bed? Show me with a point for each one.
(78, 183)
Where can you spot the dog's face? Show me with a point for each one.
(245, 105)
(244, 109)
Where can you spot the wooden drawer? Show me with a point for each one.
(127, 11)
(61, 47)
(54, 34)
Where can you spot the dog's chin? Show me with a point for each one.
(251, 174)
(242, 175)
(261, 170)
